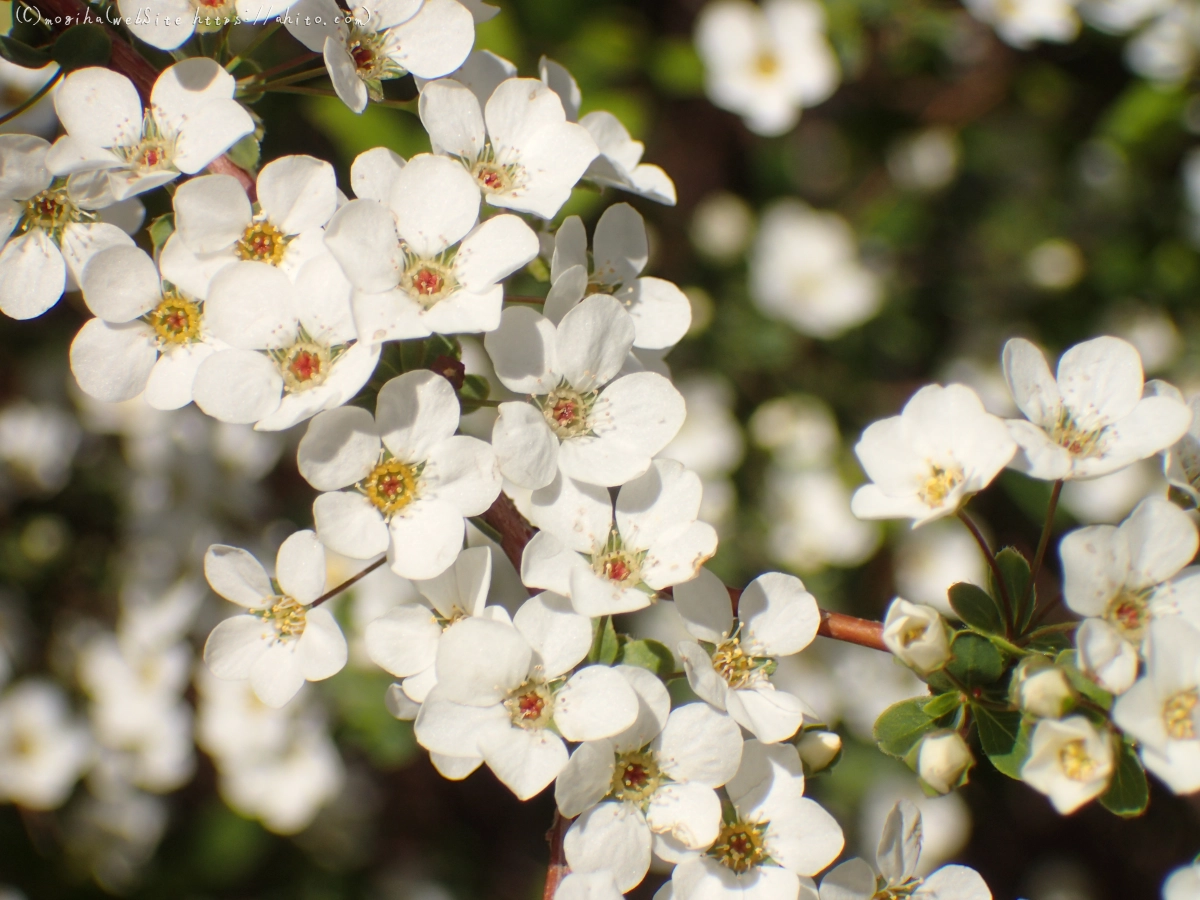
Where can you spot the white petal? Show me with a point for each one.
(566, 291)
(415, 412)
(238, 386)
(1033, 387)
(690, 813)
(546, 563)
(654, 706)
(705, 606)
(300, 566)
(373, 173)
(701, 676)
(463, 473)
(237, 576)
(570, 248)
(954, 883)
(462, 588)
(250, 307)
(611, 837)
(526, 761)
(349, 524)
(455, 768)
(297, 193)
(121, 283)
(426, 538)
(451, 115)
(587, 886)
(276, 676)
(900, 844)
(362, 238)
(659, 505)
(344, 74)
(1101, 380)
(435, 202)
(494, 250)
(593, 341)
(767, 771)
(586, 779)
(852, 880)
(1095, 563)
(32, 275)
(235, 644)
(595, 703)
(699, 745)
(404, 640)
(620, 248)
(1162, 540)
(558, 635)
(211, 212)
(170, 383)
(522, 350)
(113, 362)
(579, 515)
(805, 838)
(99, 107)
(454, 729)
(436, 40)
(479, 661)
(778, 614)
(526, 448)
(340, 447)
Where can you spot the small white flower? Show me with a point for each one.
(502, 696)
(766, 63)
(1124, 577)
(410, 480)
(148, 335)
(1162, 709)
(404, 640)
(281, 641)
(167, 24)
(660, 311)
(1165, 50)
(917, 635)
(585, 419)
(620, 163)
(381, 40)
(1098, 416)
(774, 841)
(49, 234)
(1181, 461)
(590, 886)
(896, 860)
(805, 270)
(416, 253)
(1070, 761)
(928, 460)
(818, 749)
(192, 120)
(519, 147)
(612, 564)
(776, 617)
(1022, 22)
(38, 443)
(652, 787)
(1183, 883)
(943, 759)
(1042, 689)
(43, 749)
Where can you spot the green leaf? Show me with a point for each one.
(1004, 738)
(606, 643)
(1128, 793)
(1069, 660)
(977, 608)
(1049, 640)
(647, 654)
(943, 704)
(83, 45)
(976, 660)
(245, 153)
(475, 387)
(901, 726)
(161, 229)
(1014, 568)
(22, 54)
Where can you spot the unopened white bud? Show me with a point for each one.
(917, 635)
(1042, 690)
(943, 758)
(818, 749)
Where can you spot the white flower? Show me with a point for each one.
(710, 442)
(43, 749)
(943, 759)
(167, 24)
(1096, 418)
(383, 39)
(917, 635)
(404, 640)
(810, 521)
(416, 253)
(1181, 462)
(928, 460)
(1165, 50)
(1070, 761)
(1022, 22)
(502, 697)
(818, 750)
(1042, 689)
(1124, 577)
(650, 787)
(774, 841)
(766, 63)
(281, 641)
(49, 235)
(804, 270)
(608, 566)
(660, 311)
(620, 163)
(1120, 16)
(217, 225)
(1162, 709)
(896, 860)
(192, 120)
(39, 443)
(776, 617)
(590, 886)
(1183, 883)
(520, 148)
(293, 348)
(584, 421)
(148, 335)
(413, 479)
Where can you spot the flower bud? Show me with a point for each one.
(943, 759)
(1042, 689)
(917, 635)
(818, 750)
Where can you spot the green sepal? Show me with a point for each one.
(977, 608)
(606, 643)
(901, 726)
(1004, 737)
(1128, 792)
(22, 54)
(976, 661)
(1069, 661)
(245, 153)
(646, 654)
(940, 705)
(1014, 569)
(161, 229)
(80, 46)
(475, 389)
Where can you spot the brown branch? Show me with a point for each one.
(515, 533)
(349, 582)
(558, 868)
(128, 62)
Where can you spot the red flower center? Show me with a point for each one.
(305, 366)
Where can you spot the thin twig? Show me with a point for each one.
(1044, 541)
(349, 582)
(558, 869)
(1001, 587)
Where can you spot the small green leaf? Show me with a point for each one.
(1049, 640)
(22, 54)
(1069, 660)
(901, 726)
(245, 153)
(475, 387)
(977, 608)
(606, 643)
(1015, 570)
(1128, 793)
(976, 660)
(1004, 738)
(83, 45)
(942, 704)
(161, 229)
(647, 654)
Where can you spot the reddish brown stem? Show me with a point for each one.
(128, 62)
(558, 868)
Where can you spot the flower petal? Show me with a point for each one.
(113, 362)
(235, 644)
(322, 650)
(415, 412)
(300, 566)
(340, 447)
(349, 524)
(614, 838)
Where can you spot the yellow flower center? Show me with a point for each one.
(262, 242)
(1075, 439)
(391, 486)
(767, 64)
(735, 665)
(303, 365)
(428, 281)
(740, 846)
(1129, 614)
(1076, 763)
(50, 210)
(566, 411)
(287, 616)
(940, 484)
(635, 777)
(175, 320)
(531, 705)
(1179, 715)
